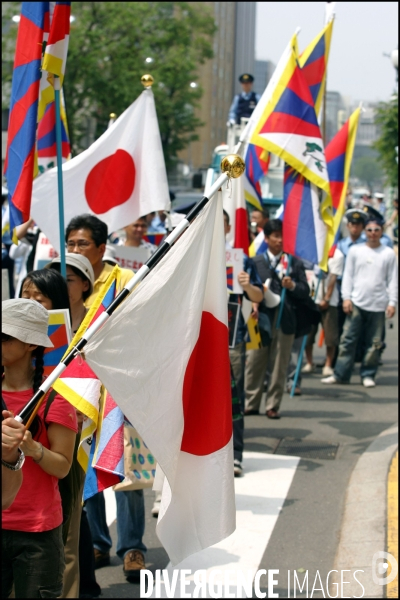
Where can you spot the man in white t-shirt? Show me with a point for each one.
(369, 292)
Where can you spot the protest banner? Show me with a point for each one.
(234, 264)
(44, 252)
(132, 258)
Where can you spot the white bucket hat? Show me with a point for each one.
(78, 261)
(27, 321)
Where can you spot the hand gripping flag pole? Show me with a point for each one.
(232, 166)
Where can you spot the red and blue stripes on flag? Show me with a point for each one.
(314, 61)
(303, 229)
(97, 480)
(339, 155)
(20, 157)
(154, 238)
(257, 163)
(46, 139)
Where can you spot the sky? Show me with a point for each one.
(362, 32)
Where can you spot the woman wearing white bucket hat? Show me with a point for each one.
(32, 548)
(80, 282)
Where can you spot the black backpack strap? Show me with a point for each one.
(49, 402)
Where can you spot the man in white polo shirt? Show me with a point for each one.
(369, 292)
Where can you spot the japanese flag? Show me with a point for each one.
(164, 358)
(119, 178)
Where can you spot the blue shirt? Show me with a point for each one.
(234, 105)
(346, 243)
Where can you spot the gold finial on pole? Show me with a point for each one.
(147, 80)
(113, 116)
(233, 165)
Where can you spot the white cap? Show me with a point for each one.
(26, 320)
(78, 261)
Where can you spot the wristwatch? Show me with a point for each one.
(18, 464)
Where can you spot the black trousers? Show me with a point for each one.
(33, 562)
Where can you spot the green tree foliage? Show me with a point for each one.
(368, 171)
(109, 44)
(387, 116)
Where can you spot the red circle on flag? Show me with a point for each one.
(207, 396)
(110, 182)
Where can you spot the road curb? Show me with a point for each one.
(363, 531)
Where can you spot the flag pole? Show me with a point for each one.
(57, 89)
(303, 346)
(280, 313)
(232, 166)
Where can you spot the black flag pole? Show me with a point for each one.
(232, 166)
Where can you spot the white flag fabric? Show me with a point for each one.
(234, 204)
(164, 358)
(119, 178)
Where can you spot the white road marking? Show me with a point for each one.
(260, 495)
(111, 505)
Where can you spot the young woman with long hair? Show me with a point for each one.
(32, 547)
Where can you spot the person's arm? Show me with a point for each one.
(348, 281)
(297, 284)
(22, 230)
(392, 288)
(392, 218)
(253, 292)
(329, 291)
(12, 433)
(57, 459)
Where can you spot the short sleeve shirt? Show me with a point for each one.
(37, 506)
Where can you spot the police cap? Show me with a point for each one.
(354, 215)
(246, 78)
(373, 215)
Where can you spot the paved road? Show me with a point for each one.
(291, 503)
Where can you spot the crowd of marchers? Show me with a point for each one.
(52, 542)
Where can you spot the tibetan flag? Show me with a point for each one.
(59, 332)
(314, 61)
(78, 384)
(106, 458)
(20, 157)
(154, 238)
(120, 177)
(235, 205)
(171, 378)
(46, 137)
(257, 162)
(55, 55)
(258, 245)
(304, 231)
(284, 121)
(339, 154)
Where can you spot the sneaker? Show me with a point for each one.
(308, 368)
(101, 559)
(133, 564)
(156, 507)
(237, 468)
(329, 380)
(368, 382)
(326, 371)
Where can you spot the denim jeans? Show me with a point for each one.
(130, 522)
(237, 357)
(33, 562)
(370, 325)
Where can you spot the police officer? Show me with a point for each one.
(243, 104)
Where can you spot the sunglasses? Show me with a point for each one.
(375, 230)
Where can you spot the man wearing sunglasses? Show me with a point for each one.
(369, 292)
